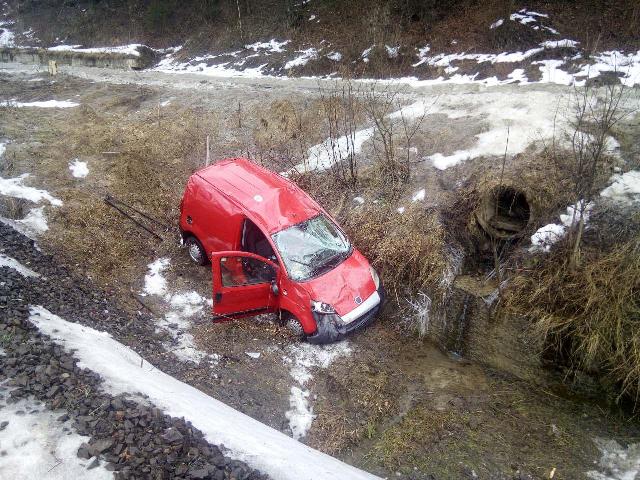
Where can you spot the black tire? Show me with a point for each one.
(293, 325)
(196, 251)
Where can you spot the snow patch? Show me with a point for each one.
(154, 282)
(545, 237)
(303, 358)
(10, 262)
(527, 17)
(365, 53)
(35, 223)
(496, 24)
(123, 49)
(272, 46)
(176, 321)
(246, 439)
(7, 37)
(624, 188)
(254, 355)
(335, 56)
(302, 59)
(418, 196)
(334, 150)
(79, 169)
(616, 462)
(42, 104)
(566, 43)
(35, 445)
(14, 187)
(300, 413)
(392, 52)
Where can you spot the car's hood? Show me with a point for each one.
(342, 286)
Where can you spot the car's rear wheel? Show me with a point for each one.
(196, 250)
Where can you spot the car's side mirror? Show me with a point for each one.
(274, 288)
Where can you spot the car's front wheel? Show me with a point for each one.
(293, 325)
(196, 250)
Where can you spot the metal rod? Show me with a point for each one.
(145, 215)
(108, 202)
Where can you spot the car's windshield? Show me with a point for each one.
(311, 247)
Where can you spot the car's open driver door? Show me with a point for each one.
(244, 284)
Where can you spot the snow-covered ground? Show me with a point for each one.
(35, 222)
(123, 371)
(505, 117)
(624, 188)
(10, 262)
(40, 104)
(303, 358)
(123, 49)
(180, 307)
(34, 444)
(624, 64)
(617, 462)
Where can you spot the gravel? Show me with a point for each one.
(132, 438)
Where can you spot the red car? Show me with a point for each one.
(274, 249)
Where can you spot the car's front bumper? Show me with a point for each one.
(331, 328)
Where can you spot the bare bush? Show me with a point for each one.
(341, 111)
(392, 128)
(595, 114)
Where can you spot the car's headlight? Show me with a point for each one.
(376, 278)
(321, 307)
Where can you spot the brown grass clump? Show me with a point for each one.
(588, 315)
(408, 249)
(351, 408)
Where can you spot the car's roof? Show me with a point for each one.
(270, 200)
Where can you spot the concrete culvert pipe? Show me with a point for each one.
(503, 212)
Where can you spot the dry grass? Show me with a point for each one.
(353, 407)
(408, 249)
(588, 315)
(153, 158)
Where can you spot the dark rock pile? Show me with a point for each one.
(132, 438)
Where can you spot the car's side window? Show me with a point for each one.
(254, 241)
(238, 271)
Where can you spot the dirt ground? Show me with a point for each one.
(396, 405)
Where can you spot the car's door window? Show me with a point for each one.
(238, 271)
(254, 241)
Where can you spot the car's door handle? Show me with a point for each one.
(218, 297)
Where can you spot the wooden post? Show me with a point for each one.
(53, 67)
(207, 150)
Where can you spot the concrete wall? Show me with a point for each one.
(40, 56)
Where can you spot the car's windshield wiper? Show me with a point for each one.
(329, 263)
(298, 261)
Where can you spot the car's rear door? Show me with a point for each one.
(244, 284)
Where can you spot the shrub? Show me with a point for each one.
(587, 315)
